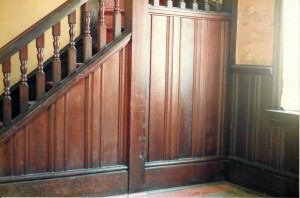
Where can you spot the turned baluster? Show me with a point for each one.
(56, 64)
(206, 6)
(117, 20)
(72, 48)
(6, 69)
(218, 6)
(194, 5)
(169, 3)
(101, 26)
(155, 2)
(87, 39)
(181, 4)
(40, 75)
(24, 86)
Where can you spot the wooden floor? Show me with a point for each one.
(218, 189)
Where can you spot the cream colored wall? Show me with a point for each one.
(16, 16)
(255, 32)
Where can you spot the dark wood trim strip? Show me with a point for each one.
(161, 10)
(285, 119)
(92, 185)
(183, 174)
(262, 167)
(55, 93)
(38, 28)
(159, 164)
(70, 173)
(252, 69)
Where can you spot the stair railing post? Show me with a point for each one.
(72, 49)
(56, 64)
(194, 5)
(23, 55)
(40, 75)
(155, 2)
(87, 39)
(169, 3)
(117, 20)
(181, 4)
(7, 114)
(101, 26)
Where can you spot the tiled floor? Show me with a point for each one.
(218, 189)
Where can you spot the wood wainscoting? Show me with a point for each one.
(78, 138)
(187, 96)
(264, 151)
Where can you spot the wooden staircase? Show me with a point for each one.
(21, 98)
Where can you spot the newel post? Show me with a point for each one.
(135, 11)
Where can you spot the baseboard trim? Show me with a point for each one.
(101, 184)
(55, 175)
(261, 178)
(172, 174)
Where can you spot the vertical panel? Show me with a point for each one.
(96, 98)
(124, 106)
(5, 159)
(242, 115)
(110, 111)
(59, 134)
(75, 131)
(200, 49)
(172, 97)
(186, 85)
(213, 88)
(19, 153)
(264, 130)
(39, 143)
(157, 88)
(88, 121)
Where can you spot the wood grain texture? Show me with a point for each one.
(88, 185)
(187, 84)
(71, 134)
(109, 111)
(184, 174)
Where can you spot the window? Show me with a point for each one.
(290, 54)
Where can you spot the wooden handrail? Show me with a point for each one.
(55, 93)
(38, 28)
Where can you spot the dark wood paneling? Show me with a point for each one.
(263, 179)
(157, 88)
(187, 84)
(264, 154)
(109, 111)
(38, 152)
(75, 126)
(96, 83)
(81, 129)
(88, 185)
(186, 58)
(183, 174)
(250, 132)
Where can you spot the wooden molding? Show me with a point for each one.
(252, 69)
(38, 28)
(263, 179)
(70, 173)
(183, 161)
(161, 10)
(285, 119)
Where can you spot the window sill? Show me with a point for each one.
(285, 119)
